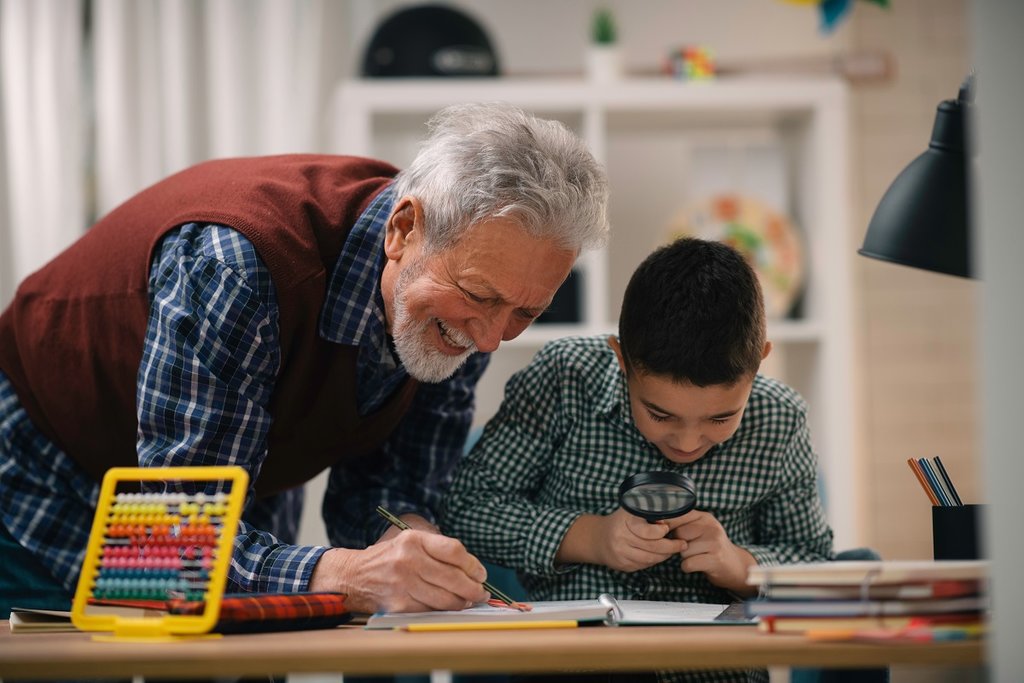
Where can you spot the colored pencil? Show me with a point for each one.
(933, 481)
(947, 480)
(920, 478)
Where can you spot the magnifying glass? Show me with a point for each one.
(658, 495)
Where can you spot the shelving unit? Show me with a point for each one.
(642, 130)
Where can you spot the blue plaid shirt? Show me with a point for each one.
(208, 371)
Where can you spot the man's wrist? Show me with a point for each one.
(331, 571)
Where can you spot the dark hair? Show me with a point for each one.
(693, 311)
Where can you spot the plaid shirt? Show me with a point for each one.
(203, 397)
(562, 443)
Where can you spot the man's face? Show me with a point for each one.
(485, 289)
(683, 420)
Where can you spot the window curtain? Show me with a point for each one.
(101, 98)
(42, 148)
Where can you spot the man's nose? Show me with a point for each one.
(490, 329)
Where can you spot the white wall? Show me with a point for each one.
(999, 56)
(550, 35)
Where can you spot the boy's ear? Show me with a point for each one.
(404, 227)
(613, 342)
(767, 350)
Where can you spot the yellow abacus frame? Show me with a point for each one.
(171, 625)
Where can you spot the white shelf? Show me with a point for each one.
(639, 128)
(769, 96)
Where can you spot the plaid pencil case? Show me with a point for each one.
(255, 612)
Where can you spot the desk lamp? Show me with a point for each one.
(923, 218)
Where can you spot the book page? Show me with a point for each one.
(577, 610)
(653, 612)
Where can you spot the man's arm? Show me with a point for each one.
(208, 369)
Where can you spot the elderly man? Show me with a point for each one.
(290, 314)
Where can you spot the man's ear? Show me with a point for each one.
(767, 350)
(404, 227)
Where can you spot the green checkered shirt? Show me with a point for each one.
(564, 439)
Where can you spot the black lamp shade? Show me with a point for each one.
(922, 221)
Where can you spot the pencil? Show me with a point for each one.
(920, 478)
(489, 625)
(949, 482)
(395, 521)
(933, 480)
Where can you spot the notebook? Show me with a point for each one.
(605, 610)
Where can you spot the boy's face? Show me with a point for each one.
(683, 420)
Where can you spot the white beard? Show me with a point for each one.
(421, 360)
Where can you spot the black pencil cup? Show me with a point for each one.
(957, 532)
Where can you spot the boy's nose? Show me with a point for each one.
(688, 440)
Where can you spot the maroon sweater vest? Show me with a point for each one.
(71, 341)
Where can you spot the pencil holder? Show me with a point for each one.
(957, 532)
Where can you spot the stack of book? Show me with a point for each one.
(877, 597)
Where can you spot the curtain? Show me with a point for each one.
(104, 97)
(42, 145)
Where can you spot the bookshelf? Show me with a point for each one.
(645, 132)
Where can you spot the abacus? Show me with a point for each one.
(147, 548)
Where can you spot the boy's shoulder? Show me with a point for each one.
(587, 358)
(579, 350)
(769, 395)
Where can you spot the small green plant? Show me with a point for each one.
(603, 28)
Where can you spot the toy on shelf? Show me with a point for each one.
(768, 239)
(148, 548)
(690, 63)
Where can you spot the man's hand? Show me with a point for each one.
(621, 541)
(709, 550)
(410, 571)
(414, 521)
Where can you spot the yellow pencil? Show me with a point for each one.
(489, 625)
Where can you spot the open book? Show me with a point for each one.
(605, 610)
(31, 620)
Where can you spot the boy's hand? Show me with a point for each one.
(620, 541)
(709, 550)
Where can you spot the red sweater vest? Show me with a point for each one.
(71, 341)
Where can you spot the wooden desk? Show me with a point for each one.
(353, 650)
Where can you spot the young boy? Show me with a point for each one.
(677, 391)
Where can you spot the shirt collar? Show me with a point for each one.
(614, 394)
(354, 305)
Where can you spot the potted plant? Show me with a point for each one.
(604, 60)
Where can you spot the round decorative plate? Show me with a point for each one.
(767, 238)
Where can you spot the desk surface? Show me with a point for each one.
(354, 650)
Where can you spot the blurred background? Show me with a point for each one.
(785, 120)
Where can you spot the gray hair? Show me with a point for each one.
(493, 160)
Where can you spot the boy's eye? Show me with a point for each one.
(719, 420)
(658, 417)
